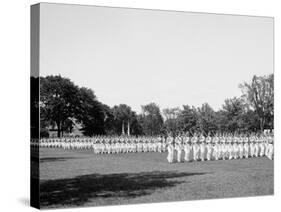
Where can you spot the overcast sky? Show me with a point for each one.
(140, 56)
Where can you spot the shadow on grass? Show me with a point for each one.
(79, 190)
(55, 159)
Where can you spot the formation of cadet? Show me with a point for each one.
(182, 147)
(198, 147)
(108, 144)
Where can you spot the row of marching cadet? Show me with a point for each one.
(182, 147)
(219, 147)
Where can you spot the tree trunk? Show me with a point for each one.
(59, 129)
(262, 124)
(123, 130)
(128, 129)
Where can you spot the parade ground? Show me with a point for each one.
(82, 178)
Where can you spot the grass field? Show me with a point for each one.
(81, 178)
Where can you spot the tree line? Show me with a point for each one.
(64, 104)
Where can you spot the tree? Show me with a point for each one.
(109, 124)
(171, 123)
(91, 113)
(233, 110)
(188, 119)
(124, 118)
(235, 115)
(151, 119)
(58, 100)
(136, 128)
(249, 121)
(206, 121)
(221, 121)
(63, 103)
(259, 94)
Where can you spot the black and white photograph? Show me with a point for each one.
(133, 106)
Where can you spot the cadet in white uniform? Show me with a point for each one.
(159, 144)
(220, 147)
(224, 149)
(241, 147)
(270, 150)
(195, 147)
(187, 148)
(234, 150)
(209, 147)
(216, 148)
(202, 147)
(246, 146)
(262, 145)
(178, 147)
(170, 143)
(230, 150)
(257, 146)
(252, 145)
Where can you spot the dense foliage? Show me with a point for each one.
(64, 105)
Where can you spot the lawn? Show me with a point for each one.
(82, 178)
